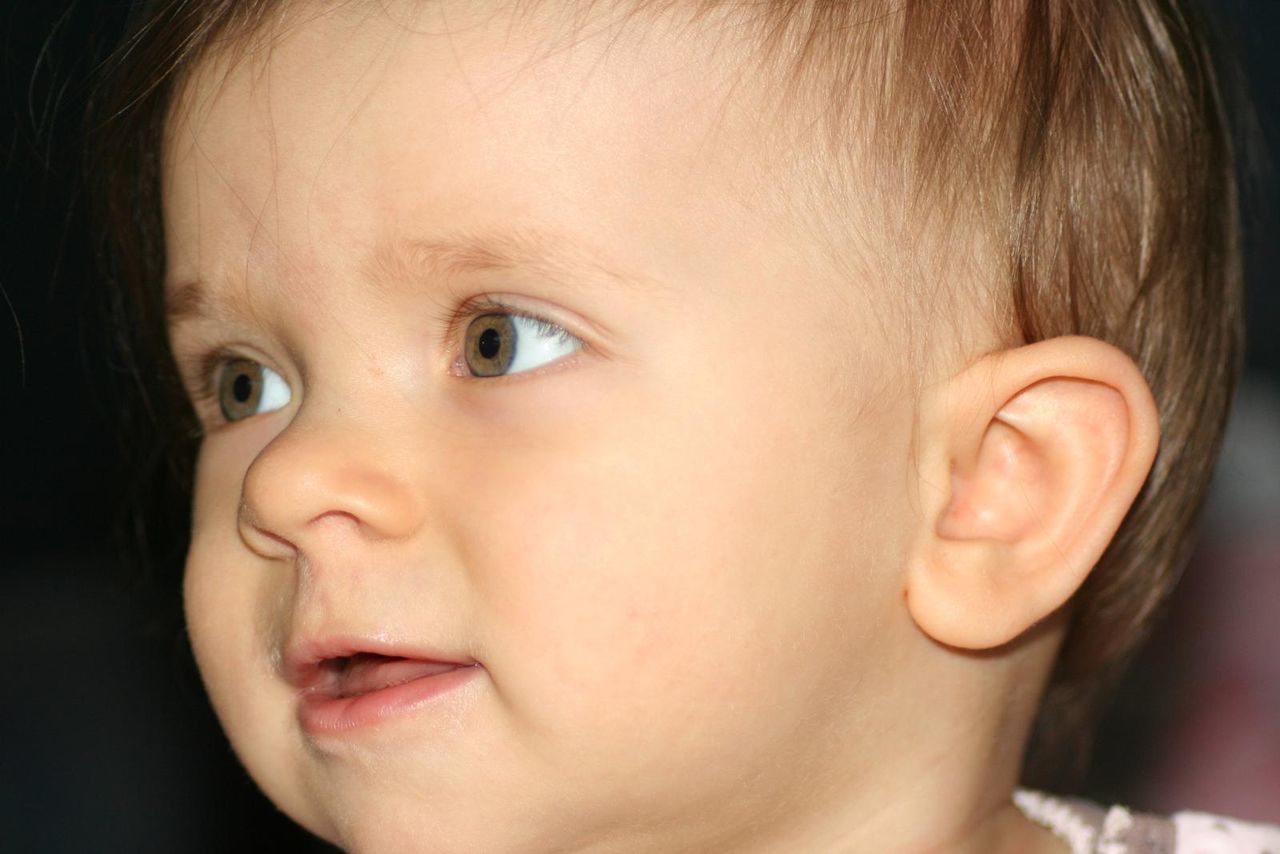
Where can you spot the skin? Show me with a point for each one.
(678, 554)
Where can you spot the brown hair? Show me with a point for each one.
(1085, 143)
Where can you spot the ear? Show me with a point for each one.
(1029, 461)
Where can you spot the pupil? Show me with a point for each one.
(490, 343)
(242, 388)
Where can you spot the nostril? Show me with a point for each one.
(266, 544)
(260, 539)
(276, 537)
(336, 515)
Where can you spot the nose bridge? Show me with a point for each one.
(320, 469)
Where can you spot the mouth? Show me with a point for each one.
(359, 689)
(368, 672)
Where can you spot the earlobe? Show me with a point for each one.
(1033, 457)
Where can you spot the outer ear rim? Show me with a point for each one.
(949, 594)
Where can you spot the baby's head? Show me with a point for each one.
(717, 422)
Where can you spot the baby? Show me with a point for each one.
(686, 426)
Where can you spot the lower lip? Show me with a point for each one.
(323, 715)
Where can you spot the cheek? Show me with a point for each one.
(226, 592)
(676, 558)
(218, 582)
(223, 584)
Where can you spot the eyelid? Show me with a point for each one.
(200, 371)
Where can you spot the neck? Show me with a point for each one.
(942, 776)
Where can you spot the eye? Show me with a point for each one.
(503, 343)
(246, 388)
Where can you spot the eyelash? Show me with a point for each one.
(205, 367)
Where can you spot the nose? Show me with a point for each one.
(307, 477)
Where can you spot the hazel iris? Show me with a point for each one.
(490, 345)
(240, 389)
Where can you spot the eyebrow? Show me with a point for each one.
(185, 302)
(461, 253)
(443, 256)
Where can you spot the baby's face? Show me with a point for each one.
(527, 392)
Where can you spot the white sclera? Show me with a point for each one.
(536, 345)
(275, 392)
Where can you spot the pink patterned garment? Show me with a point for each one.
(1089, 829)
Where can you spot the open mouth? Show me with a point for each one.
(341, 693)
(366, 672)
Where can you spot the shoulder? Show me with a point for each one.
(1201, 833)
(1087, 828)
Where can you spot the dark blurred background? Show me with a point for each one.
(109, 741)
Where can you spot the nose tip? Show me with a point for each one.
(301, 484)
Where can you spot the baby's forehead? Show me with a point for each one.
(383, 129)
(390, 88)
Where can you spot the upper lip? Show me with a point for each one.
(302, 662)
